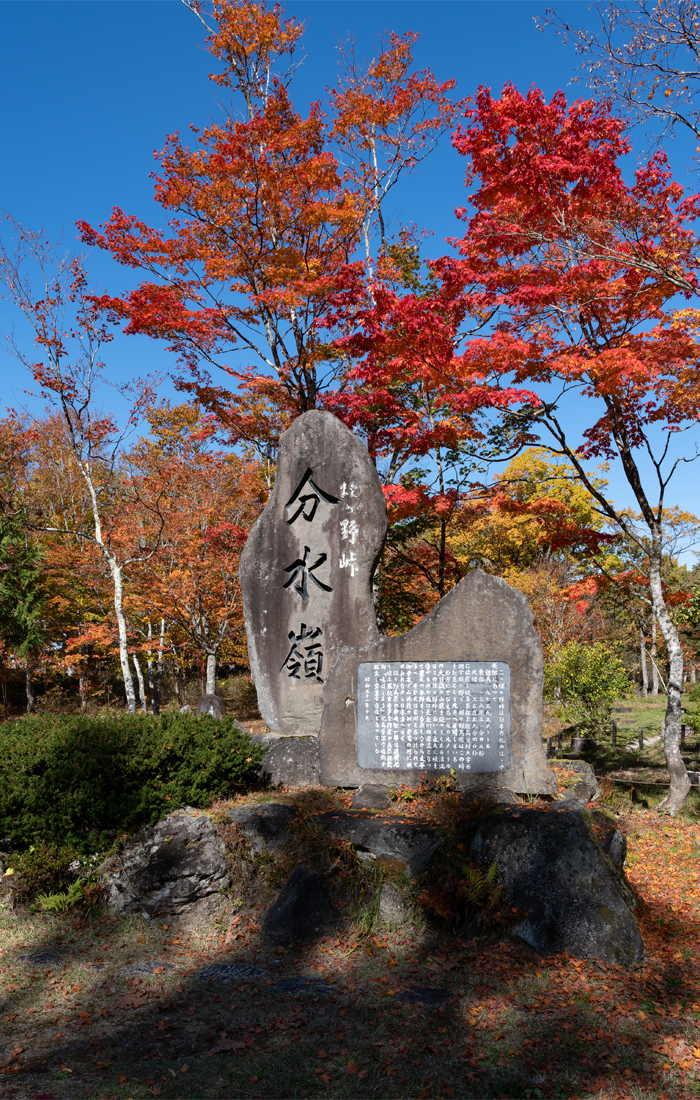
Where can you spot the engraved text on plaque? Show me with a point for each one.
(434, 715)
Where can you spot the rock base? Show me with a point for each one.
(176, 867)
(303, 911)
(563, 868)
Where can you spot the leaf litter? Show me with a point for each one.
(328, 1021)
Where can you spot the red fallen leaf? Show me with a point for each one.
(362, 1073)
(325, 1078)
(122, 1078)
(156, 1090)
(321, 1054)
(102, 1065)
(351, 1067)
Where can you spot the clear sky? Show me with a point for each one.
(90, 88)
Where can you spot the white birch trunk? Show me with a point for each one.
(142, 690)
(654, 669)
(211, 674)
(118, 582)
(679, 782)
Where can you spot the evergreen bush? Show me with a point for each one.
(79, 781)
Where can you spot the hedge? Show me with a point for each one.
(80, 781)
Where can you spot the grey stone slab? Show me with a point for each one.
(232, 972)
(289, 761)
(148, 966)
(410, 841)
(482, 620)
(212, 705)
(45, 958)
(433, 714)
(307, 567)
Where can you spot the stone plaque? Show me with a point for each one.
(434, 715)
(482, 623)
(307, 567)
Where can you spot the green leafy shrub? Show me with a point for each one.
(586, 681)
(79, 781)
(45, 868)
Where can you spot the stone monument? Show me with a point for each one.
(306, 570)
(462, 691)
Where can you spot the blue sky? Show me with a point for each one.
(90, 88)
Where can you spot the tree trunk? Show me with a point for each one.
(142, 690)
(692, 674)
(643, 661)
(211, 674)
(654, 669)
(83, 690)
(117, 576)
(31, 701)
(149, 672)
(679, 783)
(159, 675)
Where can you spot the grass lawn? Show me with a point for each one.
(513, 1025)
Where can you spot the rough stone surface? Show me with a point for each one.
(371, 796)
(588, 787)
(45, 958)
(303, 911)
(387, 837)
(177, 867)
(308, 565)
(187, 709)
(501, 795)
(481, 619)
(212, 705)
(265, 825)
(393, 907)
(562, 868)
(149, 966)
(232, 972)
(289, 761)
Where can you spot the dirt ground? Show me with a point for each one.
(399, 1012)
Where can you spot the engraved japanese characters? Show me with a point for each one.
(306, 570)
(477, 707)
(435, 715)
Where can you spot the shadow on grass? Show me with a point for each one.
(516, 1025)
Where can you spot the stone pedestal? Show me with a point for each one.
(307, 567)
(483, 626)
